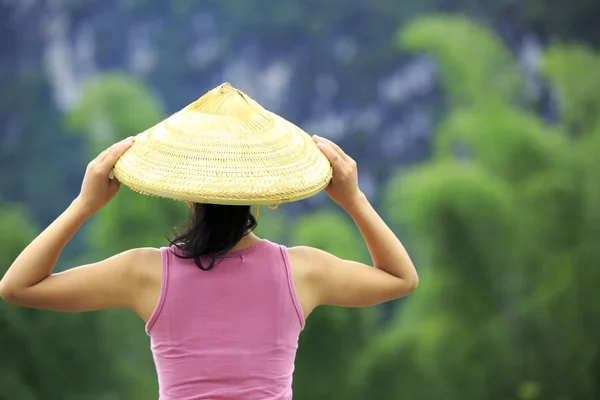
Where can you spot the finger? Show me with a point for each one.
(113, 186)
(338, 149)
(103, 155)
(333, 145)
(332, 155)
(114, 154)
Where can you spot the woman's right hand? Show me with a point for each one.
(343, 188)
(98, 188)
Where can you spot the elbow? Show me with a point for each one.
(412, 279)
(7, 293)
(409, 285)
(413, 283)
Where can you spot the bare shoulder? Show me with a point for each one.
(304, 265)
(314, 272)
(300, 254)
(307, 256)
(144, 265)
(312, 261)
(329, 280)
(130, 279)
(308, 262)
(145, 256)
(144, 271)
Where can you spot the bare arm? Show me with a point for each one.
(387, 252)
(37, 261)
(29, 281)
(348, 283)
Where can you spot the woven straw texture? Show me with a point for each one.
(225, 149)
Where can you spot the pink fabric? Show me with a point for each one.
(228, 333)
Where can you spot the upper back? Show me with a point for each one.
(231, 332)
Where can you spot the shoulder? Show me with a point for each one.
(142, 265)
(137, 273)
(301, 255)
(306, 265)
(303, 251)
(310, 261)
(310, 256)
(140, 256)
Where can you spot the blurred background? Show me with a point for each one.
(476, 127)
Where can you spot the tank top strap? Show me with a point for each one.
(290, 281)
(166, 254)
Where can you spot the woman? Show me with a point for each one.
(223, 308)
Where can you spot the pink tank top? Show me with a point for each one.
(228, 333)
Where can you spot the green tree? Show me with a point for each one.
(574, 71)
(481, 67)
(34, 364)
(505, 216)
(113, 107)
(333, 337)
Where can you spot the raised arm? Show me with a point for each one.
(340, 282)
(29, 281)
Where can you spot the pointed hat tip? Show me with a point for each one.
(226, 88)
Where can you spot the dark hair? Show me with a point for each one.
(212, 231)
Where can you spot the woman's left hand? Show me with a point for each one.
(98, 188)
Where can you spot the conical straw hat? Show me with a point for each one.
(225, 148)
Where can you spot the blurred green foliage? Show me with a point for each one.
(46, 355)
(502, 220)
(506, 304)
(472, 55)
(575, 72)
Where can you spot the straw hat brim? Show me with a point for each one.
(225, 149)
